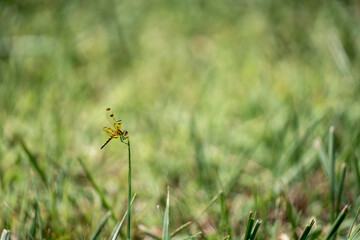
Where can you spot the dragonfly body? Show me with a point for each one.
(116, 132)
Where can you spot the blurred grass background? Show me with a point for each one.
(226, 95)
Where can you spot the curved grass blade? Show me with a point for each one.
(34, 162)
(179, 229)
(118, 226)
(100, 226)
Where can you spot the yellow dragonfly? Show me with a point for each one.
(116, 132)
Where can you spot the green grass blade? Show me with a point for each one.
(275, 227)
(290, 216)
(249, 226)
(97, 188)
(255, 229)
(165, 235)
(314, 234)
(147, 232)
(332, 174)
(39, 218)
(353, 223)
(5, 235)
(357, 172)
(34, 163)
(335, 226)
(179, 229)
(32, 230)
(323, 157)
(355, 234)
(209, 205)
(341, 186)
(161, 216)
(100, 226)
(307, 230)
(194, 236)
(37, 204)
(118, 226)
(225, 225)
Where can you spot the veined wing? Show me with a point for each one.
(108, 130)
(111, 118)
(119, 122)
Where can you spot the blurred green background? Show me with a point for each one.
(216, 95)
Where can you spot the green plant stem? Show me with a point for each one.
(129, 195)
(332, 174)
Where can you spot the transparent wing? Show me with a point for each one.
(108, 130)
(119, 122)
(111, 118)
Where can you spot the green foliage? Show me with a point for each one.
(227, 102)
(5, 235)
(165, 229)
(101, 225)
(307, 230)
(335, 226)
(251, 228)
(118, 226)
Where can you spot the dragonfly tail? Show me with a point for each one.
(106, 143)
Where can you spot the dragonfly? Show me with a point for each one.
(116, 132)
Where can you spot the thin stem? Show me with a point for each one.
(129, 195)
(332, 174)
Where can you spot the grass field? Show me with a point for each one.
(236, 106)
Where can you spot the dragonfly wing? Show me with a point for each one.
(119, 122)
(111, 118)
(108, 130)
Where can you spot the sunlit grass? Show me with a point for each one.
(229, 104)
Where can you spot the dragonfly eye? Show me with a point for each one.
(125, 132)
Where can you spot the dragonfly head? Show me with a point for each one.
(125, 133)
